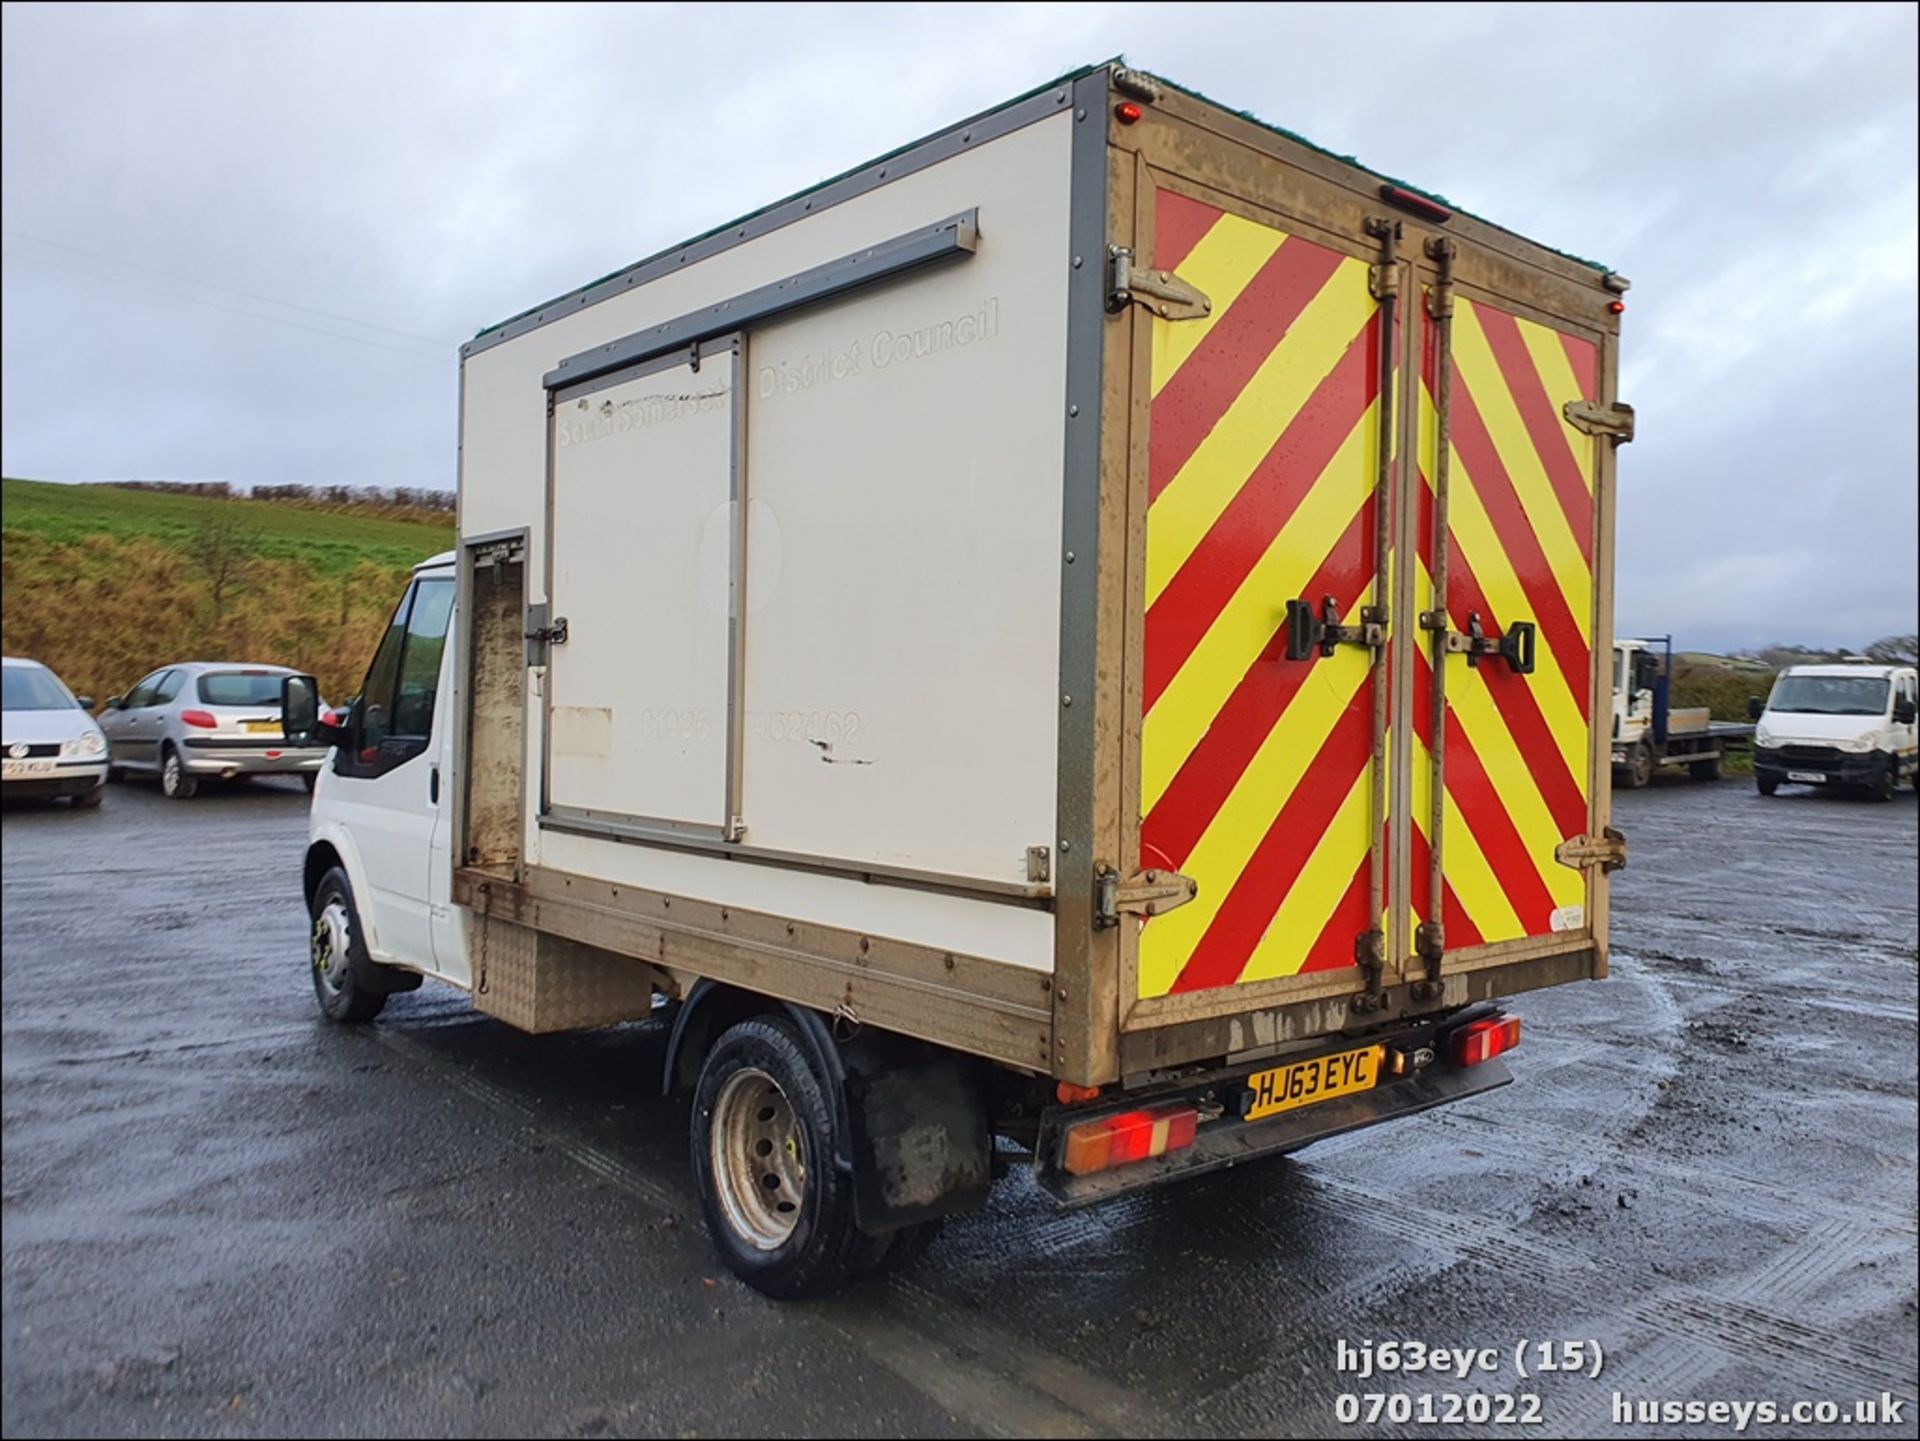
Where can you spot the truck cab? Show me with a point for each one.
(1849, 726)
(378, 866)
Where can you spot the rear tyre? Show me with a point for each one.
(89, 800)
(1765, 784)
(176, 781)
(1707, 770)
(343, 979)
(1639, 766)
(763, 1140)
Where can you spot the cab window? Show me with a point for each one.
(397, 698)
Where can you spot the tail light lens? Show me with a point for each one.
(200, 718)
(1130, 1136)
(1479, 1041)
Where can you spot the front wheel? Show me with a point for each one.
(176, 780)
(89, 800)
(1765, 783)
(310, 779)
(779, 1211)
(342, 969)
(1880, 787)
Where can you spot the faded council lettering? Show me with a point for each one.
(885, 349)
(589, 421)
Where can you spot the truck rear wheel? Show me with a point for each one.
(342, 969)
(764, 1132)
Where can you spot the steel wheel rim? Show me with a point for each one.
(332, 936)
(759, 1158)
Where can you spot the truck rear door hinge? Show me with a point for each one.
(1613, 421)
(1161, 291)
(1609, 852)
(1145, 893)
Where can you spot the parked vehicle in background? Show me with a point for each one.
(49, 744)
(204, 719)
(1838, 725)
(1647, 731)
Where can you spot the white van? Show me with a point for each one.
(1838, 725)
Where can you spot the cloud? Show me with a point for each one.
(433, 170)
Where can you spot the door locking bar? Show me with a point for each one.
(1430, 937)
(1308, 632)
(1370, 946)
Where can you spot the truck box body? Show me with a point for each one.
(881, 603)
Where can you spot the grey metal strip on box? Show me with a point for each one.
(673, 835)
(1080, 517)
(955, 139)
(955, 236)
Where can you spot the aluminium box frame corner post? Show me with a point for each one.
(1092, 621)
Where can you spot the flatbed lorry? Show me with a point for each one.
(1081, 643)
(1648, 732)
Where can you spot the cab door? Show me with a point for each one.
(390, 778)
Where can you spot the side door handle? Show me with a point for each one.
(433, 784)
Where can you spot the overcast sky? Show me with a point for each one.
(244, 244)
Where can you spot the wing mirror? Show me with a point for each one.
(114, 701)
(85, 702)
(300, 714)
(1904, 712)
(1755, 707)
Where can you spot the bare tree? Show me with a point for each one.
(223, 548)
(1895, 650)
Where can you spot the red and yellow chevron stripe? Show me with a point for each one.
(1520, 534)
(1261, 466)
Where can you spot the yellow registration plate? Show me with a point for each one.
(272, 726)
(1304, 1082)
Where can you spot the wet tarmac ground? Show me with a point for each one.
(223, 1216)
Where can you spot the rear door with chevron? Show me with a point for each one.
(1257, 777)
(1517, 560)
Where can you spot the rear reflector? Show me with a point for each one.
(198, 718)
(1130, 1136)
(1479, 1041)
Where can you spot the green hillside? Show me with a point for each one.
(104, 584)
(329, 541)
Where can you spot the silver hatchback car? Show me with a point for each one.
(203, 719)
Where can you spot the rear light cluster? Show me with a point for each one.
(1130, 1136)
(203, 719)
(1479, 1041)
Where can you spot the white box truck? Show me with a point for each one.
(1084, 640)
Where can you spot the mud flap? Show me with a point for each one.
(921, 1143)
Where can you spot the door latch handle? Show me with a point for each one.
(1515, 645)
(1308, 632)
(433, 784)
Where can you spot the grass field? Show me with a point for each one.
(329, 541)
(102, 583)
